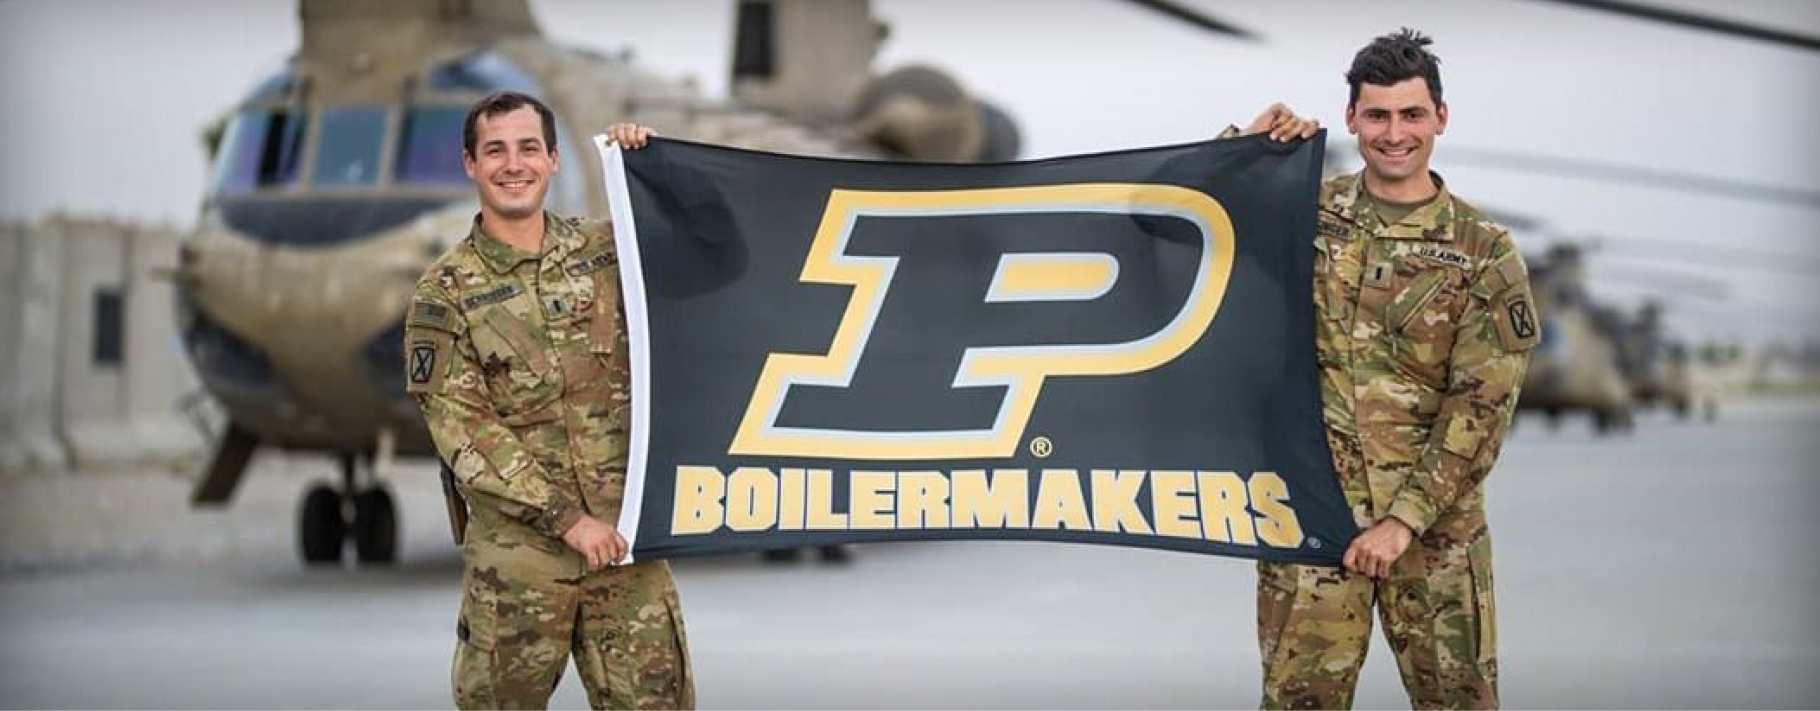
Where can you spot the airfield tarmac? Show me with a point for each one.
(1670, 568)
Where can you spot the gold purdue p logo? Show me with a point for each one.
(1021, 277)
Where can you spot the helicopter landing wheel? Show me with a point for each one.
(375, 529)
(320, 526)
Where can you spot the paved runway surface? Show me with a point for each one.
(1673, 568)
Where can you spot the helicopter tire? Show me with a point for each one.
(375, 529)
(320, 526)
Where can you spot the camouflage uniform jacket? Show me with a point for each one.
(1423, 332)
(519, 363)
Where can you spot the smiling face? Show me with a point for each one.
(1396, 126)
(511, 165)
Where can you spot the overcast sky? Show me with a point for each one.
(109, 99)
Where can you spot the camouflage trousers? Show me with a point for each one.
(527, 607)
(1314, 625)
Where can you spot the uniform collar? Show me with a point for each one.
(560, 238)
(1432, 221)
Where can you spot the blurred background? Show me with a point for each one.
(215, 494)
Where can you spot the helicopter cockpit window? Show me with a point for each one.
(347, 149)
(481, 73)
(429, 146)
(262, 147)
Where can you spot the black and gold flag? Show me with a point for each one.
(1114, 348)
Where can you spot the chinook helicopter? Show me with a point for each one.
(1577, 364)
(339, 178)
(1609, 362)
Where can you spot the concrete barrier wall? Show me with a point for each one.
(33, 300)
(65, 403)
(12, 254)
(90, 393)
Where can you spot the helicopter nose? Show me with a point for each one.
(226, 361)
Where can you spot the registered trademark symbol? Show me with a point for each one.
(1314, 542)
(1042, 447)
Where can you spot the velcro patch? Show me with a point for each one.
(556, 307)
(426, 360)
(1443, 255)
(1519, 326)
(1332, 230)
(590, 264)
(1508, 272)
(432, 315)
(492, 296)
(1511, 268)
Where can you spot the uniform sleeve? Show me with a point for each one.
(492, 465)
(1490, 352)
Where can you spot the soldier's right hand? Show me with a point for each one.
(596, 541)
(630, 135)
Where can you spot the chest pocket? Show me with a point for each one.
(606, 330)
(1418, 307)
(611, 368)
(515, 363)
(604, 318)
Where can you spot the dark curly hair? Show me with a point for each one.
(506, 102)
(1393, 58)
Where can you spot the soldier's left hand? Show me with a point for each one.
(1282, 123)
(1375, 550)
(630, 135)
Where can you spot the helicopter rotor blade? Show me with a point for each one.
(1181, 13)
(1607, 172)
(1499, 159)
(1704, 23)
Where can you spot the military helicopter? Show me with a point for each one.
(1576, 366)
(1592, 357)
(339, 178)
(1659, 368)
(1614, 363)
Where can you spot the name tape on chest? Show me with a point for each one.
(1332, 230)
(590, 264)
(492, 296)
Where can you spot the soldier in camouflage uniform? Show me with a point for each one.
(516, 351)
(1424, 321)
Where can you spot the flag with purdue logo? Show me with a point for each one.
(1113, 349)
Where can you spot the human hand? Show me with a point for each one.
(595, 540)
(630, 135)
(1375, 550)
(1282, 124)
